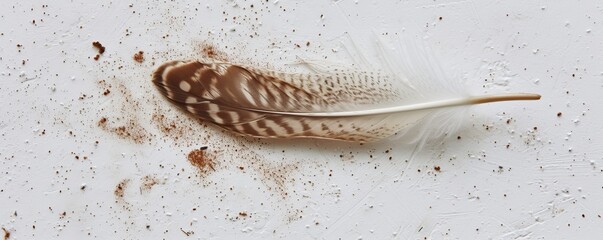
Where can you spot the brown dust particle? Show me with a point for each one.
(6, 234)
(99, 46)
(198, 159)
(139, 57)
(120, 188)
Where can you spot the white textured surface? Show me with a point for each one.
(518, 170)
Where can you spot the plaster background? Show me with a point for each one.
(519, 171)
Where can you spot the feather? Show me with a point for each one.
(334, 103)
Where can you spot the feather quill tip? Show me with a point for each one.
(505, 97)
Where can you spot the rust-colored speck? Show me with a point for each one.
(198, 158)
(120, 188)
(139, 57)
(99, 46)
(437, 168)
(6, 234)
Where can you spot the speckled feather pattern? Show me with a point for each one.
(240, 99)
(332, 102)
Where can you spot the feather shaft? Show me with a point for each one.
(415, 107)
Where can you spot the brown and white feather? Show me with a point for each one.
(269, 104)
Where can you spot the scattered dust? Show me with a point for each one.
(181, 128)
(120, 188)
(275, 175)
(149, 181)
(126, 116)
(124, 121)
(199, 159)
(294, 215)
(104, 85)
(131, 130)
(167, 127)
(208, 50)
